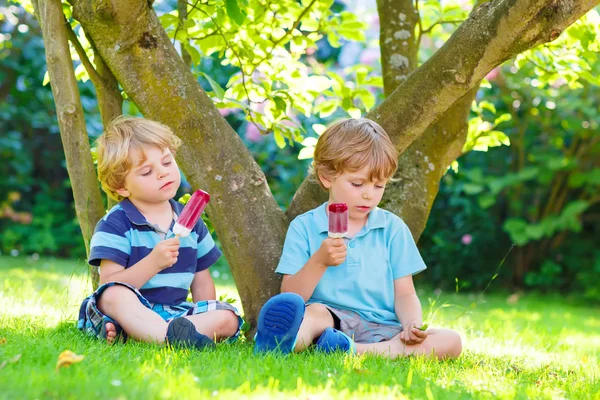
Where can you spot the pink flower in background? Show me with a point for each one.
(466, 239)
(252, 133)
(226, 111)
(493, 74)
(369, 56)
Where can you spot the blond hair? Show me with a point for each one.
(123, 136)
(350, 145)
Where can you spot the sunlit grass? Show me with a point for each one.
(538, 347)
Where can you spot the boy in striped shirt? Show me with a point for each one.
(146, 272)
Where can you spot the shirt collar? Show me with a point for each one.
(135, 216)
(376, 219)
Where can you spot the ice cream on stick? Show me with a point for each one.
(191, 213)
(338, 220)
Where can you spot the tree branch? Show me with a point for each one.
(93, 74)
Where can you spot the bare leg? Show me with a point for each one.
(441, 343)
(316, 319)
(141, 323)
(217, 325)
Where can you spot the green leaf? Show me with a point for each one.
(354, 112)
(217, 89)
(237, 14)
(319, 128)
(486, 105)
(486, 201)
(472, 188)
(326, 108)
(280, 104)
(194, 53)
(306, 153)
(279, 139)
(502, 118)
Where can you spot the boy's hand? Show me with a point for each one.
(165, 253)
(413, 335)
(332, 252)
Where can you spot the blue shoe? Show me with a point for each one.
(333, 340)
(278, 323)
(181, 332)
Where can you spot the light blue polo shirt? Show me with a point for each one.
(383, 251)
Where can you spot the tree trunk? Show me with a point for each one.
(494, 32)
(411, 193)
(249, 223)
(73, 133)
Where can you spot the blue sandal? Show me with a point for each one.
(181, 332)
(332, 340)
(278, 323)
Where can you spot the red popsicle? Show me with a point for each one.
(338, 220)
(191, 213)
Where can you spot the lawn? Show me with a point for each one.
(526, 347)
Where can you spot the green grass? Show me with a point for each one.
(539, 347)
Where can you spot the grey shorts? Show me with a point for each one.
(361, 330)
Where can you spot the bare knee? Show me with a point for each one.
(227, 324)
(453, 345)
(318, 312)
(113, 297)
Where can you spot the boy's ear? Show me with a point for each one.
(325, 181)
(123, 192)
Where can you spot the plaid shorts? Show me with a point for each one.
(361, 330)
(91, 319)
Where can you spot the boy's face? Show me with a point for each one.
(357, 191)
(153, 178)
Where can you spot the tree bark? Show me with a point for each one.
(411, 193)
(88, 202)
(494, 32)
(249, 223)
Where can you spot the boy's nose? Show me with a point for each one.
(366, 196)
(163, 172)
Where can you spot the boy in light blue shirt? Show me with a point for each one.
(356, 293)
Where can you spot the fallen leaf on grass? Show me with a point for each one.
(12, 360)
(2, 340)
(67, 358)
(513, 298)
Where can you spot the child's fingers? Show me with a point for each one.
(419, 333)
(338, 243)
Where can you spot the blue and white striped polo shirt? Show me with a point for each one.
(125, 237)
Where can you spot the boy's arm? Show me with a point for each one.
(203, 287)
(304, 281)
(162, 256)
(406, 303)
(137, 275)
(331, 253)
